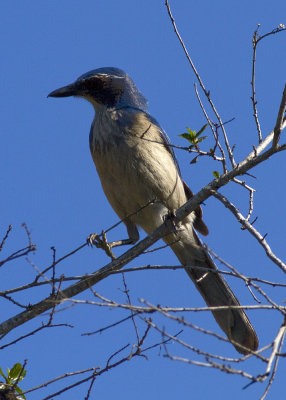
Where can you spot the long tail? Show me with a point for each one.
(214, 289)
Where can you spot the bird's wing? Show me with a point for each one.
(199, 224)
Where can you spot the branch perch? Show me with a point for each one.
(253, 159)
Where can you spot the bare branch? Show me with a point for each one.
(5, 237)
(250, 229)
(249, 282)
(66, 375)
(18, 254)
(126, 291)
(253, 97)
(215, 135)
(207, 93)
(255, 40)
(151, 309)
(279, 122)
(251, 193)
(277, 346)
(253, 159)
(55, 262)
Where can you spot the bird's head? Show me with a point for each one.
(104, 87)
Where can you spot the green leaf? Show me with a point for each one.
(192, 133)
(193, 137)
(4, 376)
(8, 379)
(23, 374)
(200, 139)
(15, 371)
(202, 129)
(20, 391)
(216, 174)
(186, 136)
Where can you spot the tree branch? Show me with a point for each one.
(253, 159)
(243, 221)
(207, 93)
(279, 123)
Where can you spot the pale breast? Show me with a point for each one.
(133, 168)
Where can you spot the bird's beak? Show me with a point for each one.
(66, 91)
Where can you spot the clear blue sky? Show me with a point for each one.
(49, 182)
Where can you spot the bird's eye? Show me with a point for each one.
(93, 84)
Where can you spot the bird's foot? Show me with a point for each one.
(101, 243)
(170, 218)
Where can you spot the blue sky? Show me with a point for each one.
(48, 179)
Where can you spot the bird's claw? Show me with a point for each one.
(170, 218)
(95, 240)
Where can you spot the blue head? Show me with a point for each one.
(105, 87)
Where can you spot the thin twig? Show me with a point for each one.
(151, 309)
(253, 159)
(279, 121)
(66, 375)
(18, 254)
(126, 291)
(5, 237)
(277, 357)
(276, 346)
(248, 282)
(251, 193)
(207, 93)
(20, 375)
(255, 40)
(253, 97)
(215, 135)
(261, 239)
(55, 262)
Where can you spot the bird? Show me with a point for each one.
(141, 179)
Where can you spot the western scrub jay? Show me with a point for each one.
(137, 167)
